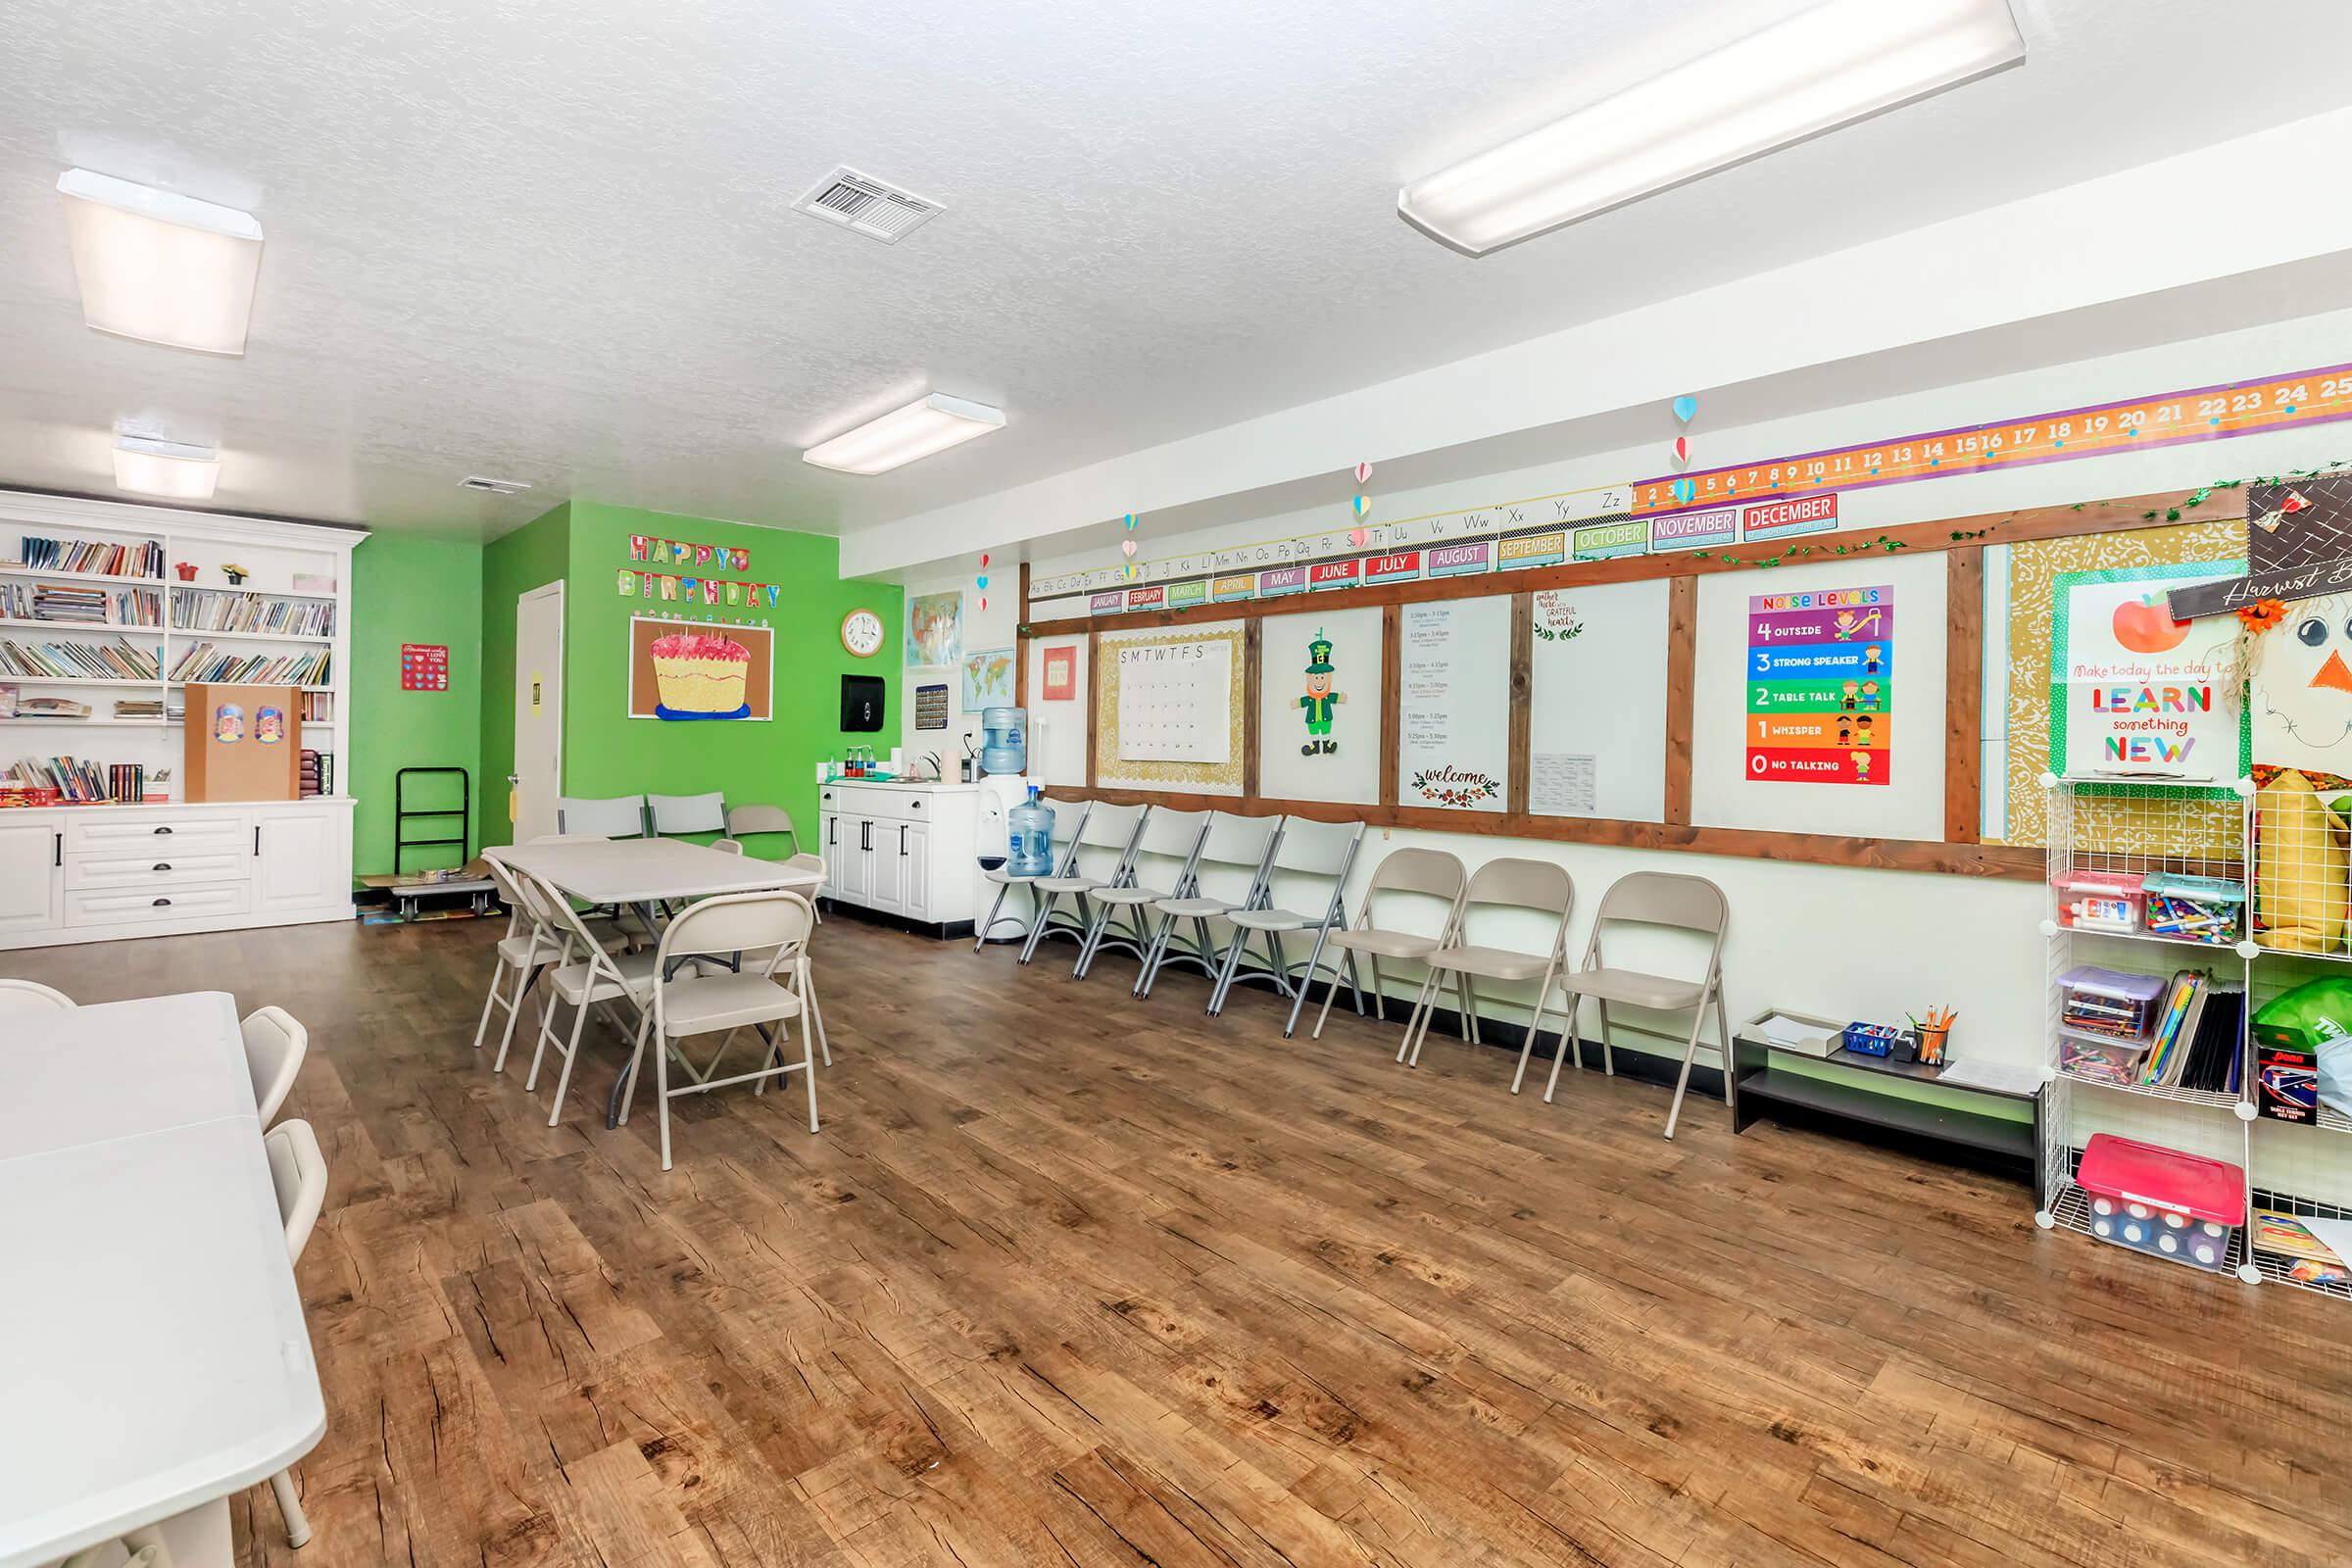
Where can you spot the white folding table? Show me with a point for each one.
(648, 873)
(153, 1356)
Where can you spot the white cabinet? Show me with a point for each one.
(97, 873)
(902, 850)
(31, 852)
(297, 860)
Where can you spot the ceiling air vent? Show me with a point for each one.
(494, 487)
(866, 205)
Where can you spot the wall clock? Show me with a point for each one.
(861, 633)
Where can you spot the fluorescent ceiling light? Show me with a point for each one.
(154, 467)
(159, 267)
(917, 430)
(1818, 70)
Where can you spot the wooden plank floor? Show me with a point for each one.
(1069, 1279)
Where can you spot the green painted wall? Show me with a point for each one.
(406, 588)
(534, 555)
(607, 753)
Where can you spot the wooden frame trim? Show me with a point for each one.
(1960, 851)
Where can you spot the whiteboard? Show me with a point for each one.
(1176, 701)
(1748, 735)
(1453, 693)
(1295, 763)
(1597, 731)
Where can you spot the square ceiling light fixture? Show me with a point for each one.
(154, 467)
(917, 430)
(1824, 67)
(161, 267)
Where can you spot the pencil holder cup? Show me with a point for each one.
(1932, 1045)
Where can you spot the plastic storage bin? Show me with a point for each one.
(2109, 1005)
(2195, 909)
(2102, 1062)
(2098, 901)
(2162, 1201)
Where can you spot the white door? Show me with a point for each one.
(30, 885)
(294, 858)
(538, 776)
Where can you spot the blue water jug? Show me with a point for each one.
(1003, 740)
(1029, 837)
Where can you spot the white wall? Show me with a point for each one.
(1866, 944)
(983, 629)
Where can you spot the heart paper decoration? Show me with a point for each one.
(1362, 506)
(1686, 407)
(1127, 547)
(1129, 520)
(984, 579)
(1364, 472)
(1682, 452)
(1357, 537)
(1685, 489)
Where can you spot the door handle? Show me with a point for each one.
(256, 837)
(57, 854)
(832, 830)
(902, 841)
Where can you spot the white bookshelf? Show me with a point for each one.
(273, 555)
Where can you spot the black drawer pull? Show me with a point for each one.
(163, 903)
(163, 830)
(163, 865)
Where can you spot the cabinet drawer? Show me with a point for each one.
(887, 804)
(224, 831)
(111, 907)
(170, 863)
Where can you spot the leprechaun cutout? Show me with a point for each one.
(1320, 699)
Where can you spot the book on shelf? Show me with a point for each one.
(95, 557)
(138, 707)
(39, 707)
(77, 782)
(118, 659)
(203, 661)
(318, 707)
(226, 611)
(73, 605)
(318, 773)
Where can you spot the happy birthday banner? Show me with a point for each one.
(678, 553)
(670, 589)
(1743, 503)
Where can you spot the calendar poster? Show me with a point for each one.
(1168, 708)
(1175, 702)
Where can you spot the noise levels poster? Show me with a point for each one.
(1820, 686)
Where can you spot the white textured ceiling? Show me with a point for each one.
(551, 241)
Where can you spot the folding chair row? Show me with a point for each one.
(1544, 888)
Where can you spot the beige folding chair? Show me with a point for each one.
(703, 998)
(1417, 873)
(584, 975)
(1654, 899)
(1320, 855)
(744, 820)
(1069, 819)
(797, 863)
(1229, 873)
(274, 1046)
(1166, 848)
(1101, 856)
(672, 814)
(527, 945)
(1536, 887)
(616, 816)
(298, 1173)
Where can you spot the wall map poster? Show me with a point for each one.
(1820, 686)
